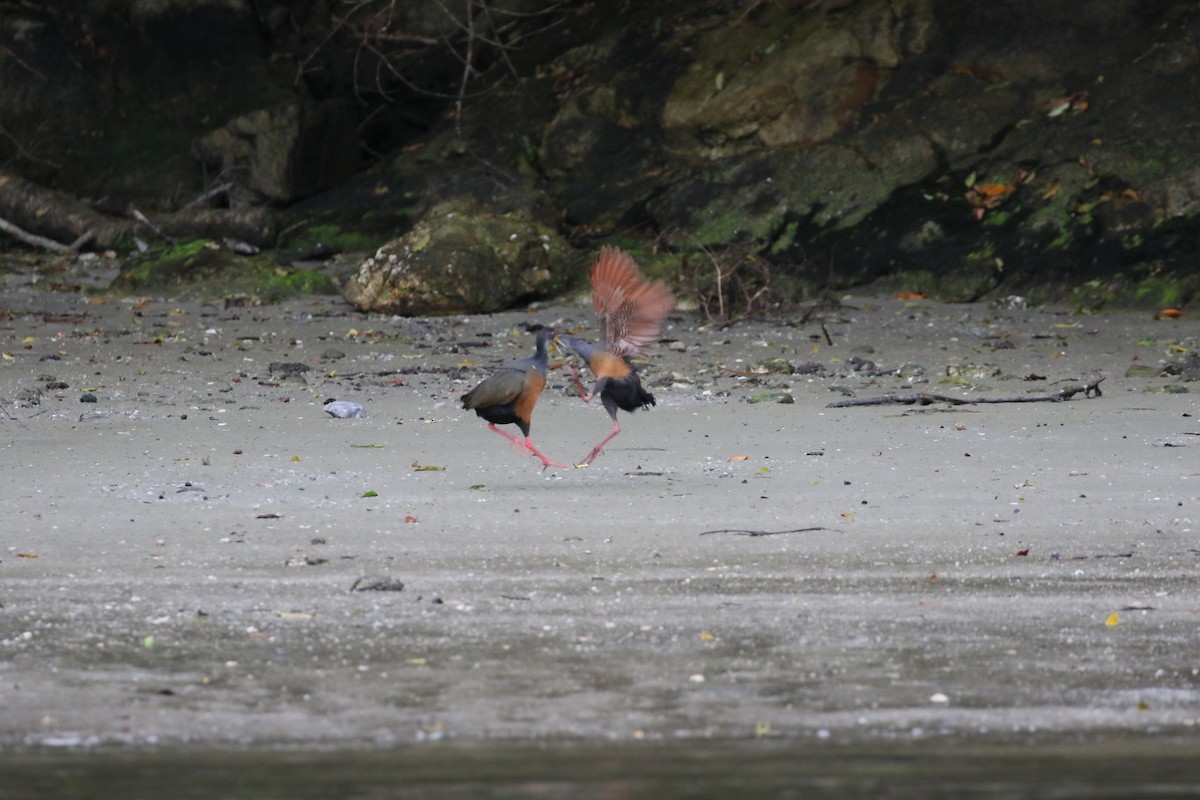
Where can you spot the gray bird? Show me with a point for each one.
(508, 397)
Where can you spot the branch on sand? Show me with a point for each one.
(1090, 389)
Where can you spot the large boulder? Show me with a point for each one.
(463, 258)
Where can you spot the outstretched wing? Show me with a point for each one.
(631, 308)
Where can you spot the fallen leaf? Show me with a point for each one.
(1112, 620)
(739, 458)
(707, 637)
(293, 614)
(910, 296)
(27, 555)
(994, 189)
(1169, 313)
(409, 518)
(418, 467)
(1024, 552)
(370, 493)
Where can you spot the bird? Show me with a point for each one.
(509, 395)
(632, 310)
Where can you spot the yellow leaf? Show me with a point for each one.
(1113, 620)
(707, 637)
(295, 458)
(293, 615)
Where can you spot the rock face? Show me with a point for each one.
(794, 78)
(103, 99)
(957, 149)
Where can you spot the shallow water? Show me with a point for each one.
(700, 770)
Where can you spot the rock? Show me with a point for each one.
(343, 409)
(285, 153)
(792, 79)
(462, 259)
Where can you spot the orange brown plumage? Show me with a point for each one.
(509, 395)
(632, 310)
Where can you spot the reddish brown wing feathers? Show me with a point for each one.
(631, 307)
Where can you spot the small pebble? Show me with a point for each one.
(344, 409)
(87, 397)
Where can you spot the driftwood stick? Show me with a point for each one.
(206, 198)
(142, 218)
(83, 239)
(1090, 389)
(32, 239)
(743, 532)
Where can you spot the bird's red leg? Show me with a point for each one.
(598, 449)
(517, 443)
(545, 461)
(587, 398)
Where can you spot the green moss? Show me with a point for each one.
(982, 254)
(183, 250)
(1156, 292)
(1061, 241)
(292, 283)
(198, 269)
(336, 237)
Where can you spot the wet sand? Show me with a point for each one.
(182, 561)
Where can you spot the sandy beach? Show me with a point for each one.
(203, 556)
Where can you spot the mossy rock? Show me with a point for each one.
(462, 259)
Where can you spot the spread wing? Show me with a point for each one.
(631, 308)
